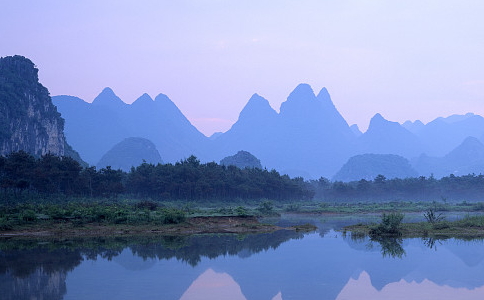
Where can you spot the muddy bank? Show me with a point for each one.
(194, 225)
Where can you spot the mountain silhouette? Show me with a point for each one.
(242, 160)
(467, 158)
(369, 166)
(131, 152)
(307, 138)
(94, 128)
(386, 137)
(442, 135)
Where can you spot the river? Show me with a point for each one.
(326, 264)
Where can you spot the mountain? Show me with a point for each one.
(467, 158)
(356, 130)
(108, 120)
(307, 138)
(131, 152)
(386, 137)
(254, 131)
(413, 127)
(444, 134)
(368, 166)
(28, 119)
(89, 129)
(242, 160)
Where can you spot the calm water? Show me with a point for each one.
(283, 265)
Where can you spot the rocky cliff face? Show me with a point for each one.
(28, 119)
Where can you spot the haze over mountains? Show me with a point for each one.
(308, 137)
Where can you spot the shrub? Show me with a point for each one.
(266, 207)
(6, 224)
(432, 217)
(389, 225)
(28, 215)
(173, 216)
(149, 205)
(241, 211)
(293, 207)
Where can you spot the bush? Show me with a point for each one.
(6, 224)
(242, 211)
(389, 225)
(173, 216)
(266, 207)
(293, 208)
(432, 216)
(149, 205)
(28, 216)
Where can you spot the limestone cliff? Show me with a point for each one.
(28, 119)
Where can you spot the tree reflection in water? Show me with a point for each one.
(32, 269)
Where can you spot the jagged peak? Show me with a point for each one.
(256, 106)
(378, 122)
(414, 123)
(145, 98)
(299, 99)
(257, 102)
(323, 95)
(162, 98)
(168, 106)
(302, 91)
(414, 127)
(356, 130)
(377, 119)
(108, 97)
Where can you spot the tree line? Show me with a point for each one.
(188, 179)
(449, 188)
(22, 174)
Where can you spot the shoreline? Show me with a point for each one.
(420, 230)
(193, 225)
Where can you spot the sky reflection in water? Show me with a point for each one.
(284, 265)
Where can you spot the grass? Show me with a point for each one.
(467, 227)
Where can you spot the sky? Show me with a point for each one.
(405, 59)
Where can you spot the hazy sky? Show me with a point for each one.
(406, 59)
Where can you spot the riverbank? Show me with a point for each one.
(467, 227)
(193, 225)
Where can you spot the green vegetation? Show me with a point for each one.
(390, 225)
(432, 216)
(79, 214)
(451, 188)
(467, 227)
(23, 176)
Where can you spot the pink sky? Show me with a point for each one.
(405, 59)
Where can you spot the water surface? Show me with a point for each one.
(283, 265)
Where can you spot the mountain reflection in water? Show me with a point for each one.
(403, 290)
(281, 265)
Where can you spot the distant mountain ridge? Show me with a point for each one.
(307, 138)
(94, 128)
(467, 158)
